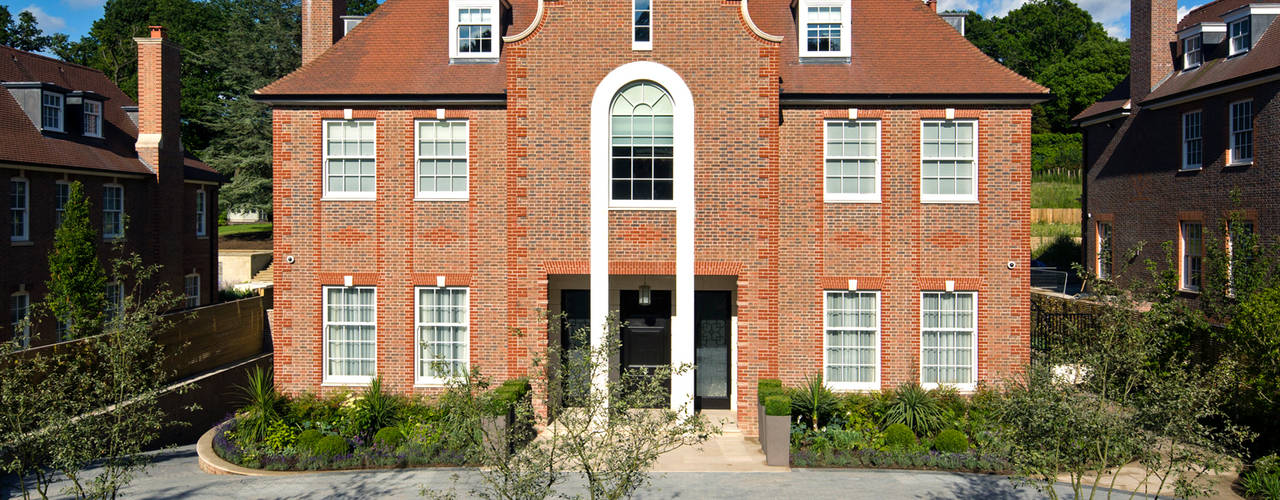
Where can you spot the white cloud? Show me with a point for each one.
(960, 5)
(1183, 11)
(82, 4)
(47, 22)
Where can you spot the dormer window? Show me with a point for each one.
(1241, 40)
(51, 111)
(473, 26)
(1192, 56)
(641, 25)
(824, 28)
(92, 118)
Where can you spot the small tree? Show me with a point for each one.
(77, 296)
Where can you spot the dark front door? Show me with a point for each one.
(646, 337)
(711, 331)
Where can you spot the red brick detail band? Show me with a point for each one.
(450, 279)
(941, 114)
(843, 114)
(700, 268)
(842, 283)
(968, 284)
(362, 279)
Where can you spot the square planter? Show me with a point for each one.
(495, 430)
(778, 436)
(760, 430)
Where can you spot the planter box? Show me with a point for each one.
(760, 430)
(495, 432)
(778, 436)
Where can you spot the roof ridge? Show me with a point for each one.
(55, 60)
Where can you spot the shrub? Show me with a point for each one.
(279, 436)
(307, 439)
(951, 441)
(778, 406)
(1263, 478)
(503, 399)
(766, 387)
(331, 446)
(374, 409)
(915, 408)
(261, 404)
(388, 437)
(899, 436)
(814, 403)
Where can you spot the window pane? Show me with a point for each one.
(642, 115)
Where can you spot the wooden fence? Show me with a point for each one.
(1056, 215)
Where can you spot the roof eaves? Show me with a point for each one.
(381, 99)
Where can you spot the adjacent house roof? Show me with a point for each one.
(24, 143)
(899, 47)
(1115, 101)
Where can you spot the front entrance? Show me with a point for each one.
(711, 332)
(646, 335)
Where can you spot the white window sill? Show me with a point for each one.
(1196, 168)
(641, 45)
(202, 236)
(58, 130)
(839, 199)
(1194, 291)
(853, 387)
(622, 205)
(346, 382)
(21, 243)
(1247, 163)
(429, 383)
(944, 201)
(93, 136)
(1189, 69)
(970, 387)
(349, 198)
(441, 197)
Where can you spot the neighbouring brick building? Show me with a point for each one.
(61, 122)
(854, 205)
(1193, 127)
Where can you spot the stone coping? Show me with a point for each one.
(211, 463)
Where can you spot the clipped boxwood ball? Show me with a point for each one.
(332, 446)
(778, 406)
(307, 439)
(899, 436)
(389, 437)
(951, 441)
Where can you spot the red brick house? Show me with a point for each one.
(853, 205)
(1196, 122)
(61, 122)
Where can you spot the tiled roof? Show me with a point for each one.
(24, 143)
(1264, 57)
(898, 47)
(1211, 12)
(1115, 100)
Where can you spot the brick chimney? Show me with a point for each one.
(1152, 28)
(321, 26)
(159, 97)
(932, 4)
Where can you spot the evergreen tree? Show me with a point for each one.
(77, 295)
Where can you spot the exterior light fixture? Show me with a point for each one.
(646, 294)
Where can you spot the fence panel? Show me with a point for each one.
(1055, 215)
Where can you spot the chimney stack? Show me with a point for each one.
(322, 25)
(1152, 27)
(159, 100)
(933, 4)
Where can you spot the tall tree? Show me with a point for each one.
(24, 33)
(76, 280)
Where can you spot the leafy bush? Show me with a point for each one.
(307, 439)
(951, 441)
(766, 387)
(778, 406)
(374, 409)
(899, 436)
(389, 437)
(261, 404)
(331, 446)
(814, 403)
(1263, 478)
(502, 400)
(915, 408)
(279, 436)
(1056, 152)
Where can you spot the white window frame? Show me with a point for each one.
(1187, 139)
(59, 203)
(201, 213)
(972, 385)
(1188, 63)
(22, 338)
(1245, 37)
(328, 379)
(495, 17)
(874, 385)
(873, 197)
(114, 291)
(438, 195)
(1232, 131)
(120, 213)
(802, 23)
(1108, 237)
(635, 8)
(940, 198)
(325, 157)
(676, 151)
(191, 300)
(1184, 258)
(26, 209)
(421, 378)
(61, 111)
(96, 116)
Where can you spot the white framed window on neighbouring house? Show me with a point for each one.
(191, 289)
(949, 339)
(115, 298)
(852, 156)
(443, 334)
(1241, 118)
(112, 211)
(1192, 141)
(643, 147)
(1103, 263)
(19, 209)
(473, 28)
(350, 334)
(350, 160)
(823, 28)
(442, 159)
(92, 118)
(61, 193)
(949, 153)
(19, 309)
(200, 213)
(1241, 36)
(641, 24)
(851, 343)
(51, 107)
(1192, 57)
(1191, 250)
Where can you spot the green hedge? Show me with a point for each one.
(777, 405)
(505, 396)
(332, 446)
(1056, 152)
(766, 387)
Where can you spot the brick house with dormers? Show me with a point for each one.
(1196, 122)
(780, 189)
(62, 122)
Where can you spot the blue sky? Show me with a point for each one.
(75, 17)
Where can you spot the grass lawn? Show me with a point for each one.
(1044, 229)
(1055, 195)
(244, 229)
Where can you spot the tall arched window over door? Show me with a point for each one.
(641, 137)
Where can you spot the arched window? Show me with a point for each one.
(642, 143)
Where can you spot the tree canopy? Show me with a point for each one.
(24, 33)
